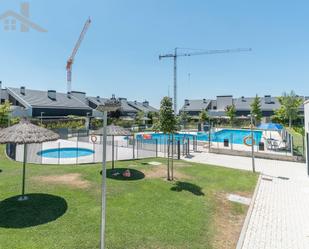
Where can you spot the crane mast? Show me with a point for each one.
(175, 55)
(70, 61)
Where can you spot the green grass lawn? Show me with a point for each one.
(298, 142)
(64, 207)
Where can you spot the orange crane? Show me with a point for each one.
(70, 61)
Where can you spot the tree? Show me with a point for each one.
(168, 125)
(184, 118)
(4, 113)
(203, 116)
(230, 111)
(290, 104)
(279, 116)
(140, 118)
(256, 109)
(153, 116)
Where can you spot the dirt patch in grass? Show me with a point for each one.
(182, 164)
(73, 180)
(229, 219)
(161, 172)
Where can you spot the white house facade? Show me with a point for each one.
(306, 113)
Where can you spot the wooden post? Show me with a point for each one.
(24, 170)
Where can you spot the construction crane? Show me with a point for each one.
(203, 52)
(70, 61)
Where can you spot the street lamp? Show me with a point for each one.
(108, 106)
(88, 114)
(252, 141)
(209, 134)
(42, 118)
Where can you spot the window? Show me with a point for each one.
(10, 24)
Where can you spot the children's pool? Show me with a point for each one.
(234, 136)
(65, 152)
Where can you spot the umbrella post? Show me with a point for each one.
(23, 197)
(26, 133)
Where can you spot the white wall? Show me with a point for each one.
(306, 113)
(306, 105)
(223, 102)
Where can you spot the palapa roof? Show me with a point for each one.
(114, 130)
(26, 133)
(117, 131)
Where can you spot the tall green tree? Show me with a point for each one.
(290, 104)
(279, 116)
(168, 125)
(256, 109)
(153, 116)
(230, 111)
(203, 116)
(184, 118)
(139, 119)
(4, 113)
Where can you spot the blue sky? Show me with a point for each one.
(120, 52)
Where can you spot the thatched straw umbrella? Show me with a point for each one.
(113, 130)
(26, 133)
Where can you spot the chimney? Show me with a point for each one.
(24, 11)
(98, 99)
(69, 95)
(113, 97)
(187, 102)
(146, 103)
(204, 101)
(267, 99)
(135, 102)
(51, 94)
(243, 99)
(23, 90)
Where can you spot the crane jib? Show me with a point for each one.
(201, 52)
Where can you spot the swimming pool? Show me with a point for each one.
(65, 152)
(234, 136)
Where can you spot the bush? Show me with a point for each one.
(58, 124)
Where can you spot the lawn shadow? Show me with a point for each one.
(0, 170)
(189, 156)
(117, 174)
(186, 186)
(37, 210)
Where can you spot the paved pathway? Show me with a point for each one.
(280, 214)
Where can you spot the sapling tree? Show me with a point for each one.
(168, 125)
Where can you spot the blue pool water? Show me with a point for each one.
(65, 153)
(234, 136)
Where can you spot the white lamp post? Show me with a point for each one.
(109, 106)
(42, 118)
(252, 141)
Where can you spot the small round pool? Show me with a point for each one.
(65, 152)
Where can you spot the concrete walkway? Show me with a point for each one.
(280, 214)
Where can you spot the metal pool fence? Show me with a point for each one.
(278, 145)
(71, 151)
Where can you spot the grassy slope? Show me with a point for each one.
(141, 214)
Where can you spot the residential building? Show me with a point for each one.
(52, 104)
(35, 103)
(216, 108)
